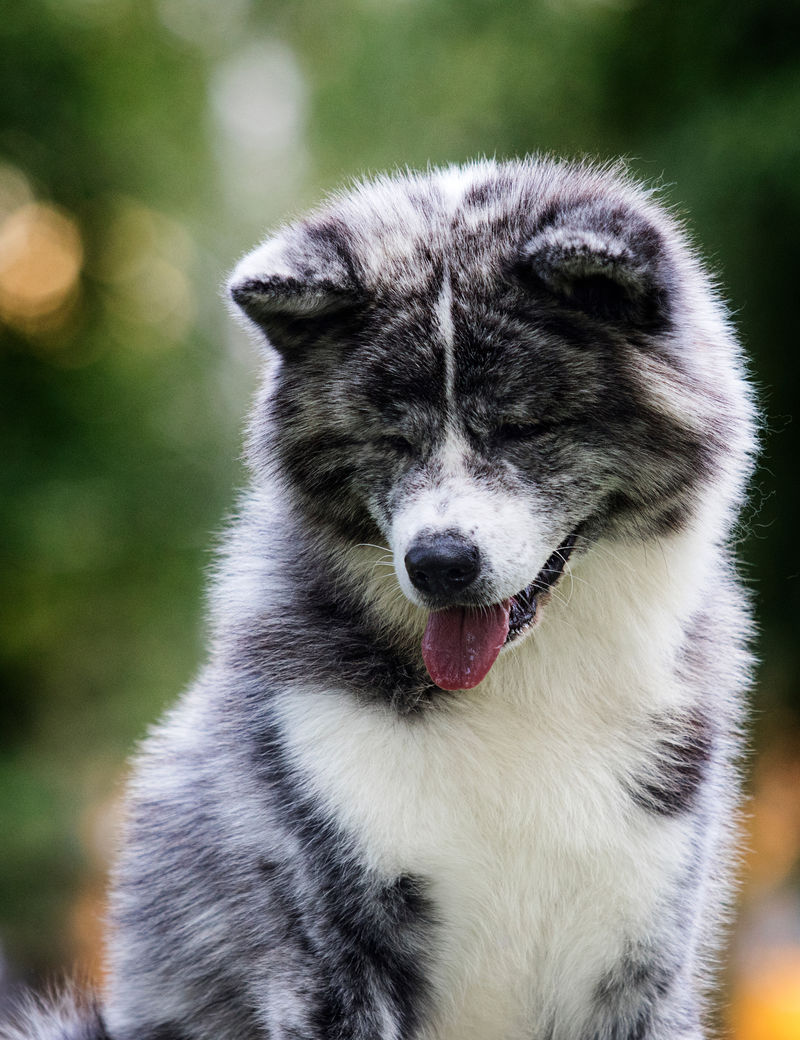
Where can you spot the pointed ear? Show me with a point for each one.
(294, 283)
(610, 264)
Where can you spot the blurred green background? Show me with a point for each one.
(144, 145)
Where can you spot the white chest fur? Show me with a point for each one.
(510, 803)
(538, 864)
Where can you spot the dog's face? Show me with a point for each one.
(484, 369)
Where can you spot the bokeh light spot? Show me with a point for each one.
(204, 23)
(41, 256)
(767, 1004)
(143, 265)
(15, 190)
(259, 99)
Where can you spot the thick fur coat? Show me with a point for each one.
(461, 765)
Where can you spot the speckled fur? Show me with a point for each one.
(320, 843)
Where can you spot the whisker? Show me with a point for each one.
(608, 553)
(371, 545)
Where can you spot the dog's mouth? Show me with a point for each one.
(461, 644)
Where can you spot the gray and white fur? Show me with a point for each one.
(521, 375)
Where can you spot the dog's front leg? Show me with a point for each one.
(351, 964)
(642, 999)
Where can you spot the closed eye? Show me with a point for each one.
(398, 444)
(512, 431)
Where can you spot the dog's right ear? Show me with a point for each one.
(294, 284)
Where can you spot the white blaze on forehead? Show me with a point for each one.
(452, 455)
(444, 319)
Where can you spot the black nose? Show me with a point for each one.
(442, 564)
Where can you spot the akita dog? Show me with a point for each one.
(461, 765)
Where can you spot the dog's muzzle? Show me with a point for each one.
(461, 643)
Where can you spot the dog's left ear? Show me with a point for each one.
(292, 283)
(609, 263)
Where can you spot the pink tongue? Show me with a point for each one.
(460, 645)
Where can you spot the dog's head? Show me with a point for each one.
(487, 368)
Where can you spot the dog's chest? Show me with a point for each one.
(537, 864)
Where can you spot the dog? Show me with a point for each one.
(462, 764)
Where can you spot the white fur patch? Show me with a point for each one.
(509, 802)
(66, 1014)
(444, 318)
(488, 516)
(267, 259)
